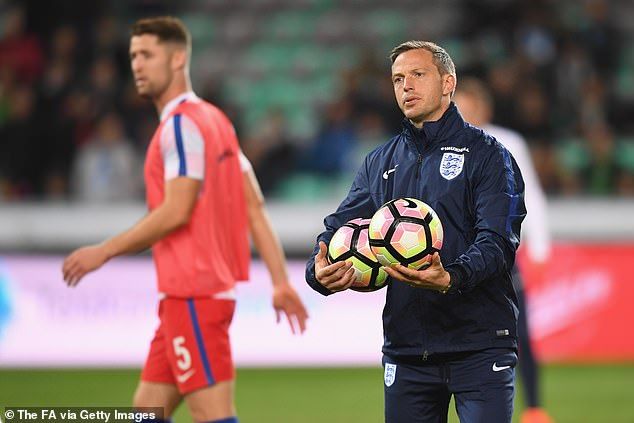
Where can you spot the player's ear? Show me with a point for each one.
(179, 58)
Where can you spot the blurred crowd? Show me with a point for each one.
(72, 126)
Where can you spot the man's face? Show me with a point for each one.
(418, 86)
(151, 65)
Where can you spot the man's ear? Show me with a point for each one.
(179, 58)
(449, 85)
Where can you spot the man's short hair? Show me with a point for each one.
(166, 28)
(441, 58)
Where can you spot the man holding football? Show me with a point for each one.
(450, 329)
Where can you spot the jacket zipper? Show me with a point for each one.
(419, 159)
(420, 165)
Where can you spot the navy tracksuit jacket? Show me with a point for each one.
(475, 187)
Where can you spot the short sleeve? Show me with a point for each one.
(183, 148)
(245, 164)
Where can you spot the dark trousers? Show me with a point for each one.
(528, 366)
(482, 383)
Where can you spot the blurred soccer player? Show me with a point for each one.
(476, 106)
(203, 198)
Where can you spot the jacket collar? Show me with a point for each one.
(436, 131)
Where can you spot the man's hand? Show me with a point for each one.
(434, 277)
(286, 300)
(336, 277)
(82, 261)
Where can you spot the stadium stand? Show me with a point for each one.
(562, 73)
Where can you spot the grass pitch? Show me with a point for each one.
(572, 393)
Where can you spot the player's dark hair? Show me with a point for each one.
(166, 28)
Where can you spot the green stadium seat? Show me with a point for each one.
(625, 153)
(302, 121)
(385, 23)
(303, 187)
(624, 81)
(201, 27)
(572, 154)
(270, 57)
(290, 25)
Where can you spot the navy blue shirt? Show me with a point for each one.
(475, 187)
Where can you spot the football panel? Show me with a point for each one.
(363, 245)
(436, 231)
(378, 280)
(409, 239)
(362, 273)
(384, 256)
(380, 223)
(412, 207)
(340, 242)
(421, 263)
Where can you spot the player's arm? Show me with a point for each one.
(183, 154)
(285, 299)
(175, 211)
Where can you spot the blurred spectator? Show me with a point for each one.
(55, 82)
(625, 159)
(545, 160)
(104, 83)
(64, 44)
(55, 185)
(371, 132)
(109, 40)
(625, 184)
(7, 81)
(502, 78)
(572, 69)
(593, 102)
(601, 171)
(589, 165)
(271, 150)
(370, 91)
(532, 113)
(20, 51)
(535, 40)
(18, 163)
(78, 113)
(601, 37)
(107, 168)
(331, 151)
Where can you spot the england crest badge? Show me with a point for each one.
(451, 165)
(390, 374)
